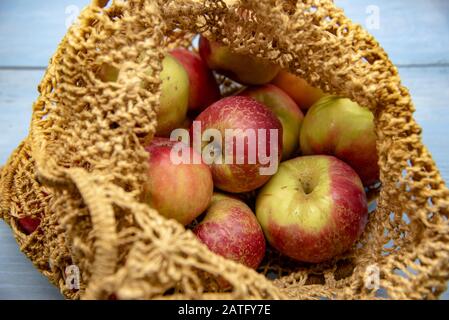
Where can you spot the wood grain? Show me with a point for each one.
(18, 90)
(18, 277)
(31, 30)
(412, 32)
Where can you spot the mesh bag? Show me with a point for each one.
(81, 168)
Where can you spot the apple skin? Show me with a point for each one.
(298, 89)
(174, 98)
(108, 73)
(187, 123)
(175, 89)
(245, 69)
(230, 229)
(204, 89)
(28, 224)
(340, 127)
(237, 112)
(287, 111)
(178, 191)
(313, 209)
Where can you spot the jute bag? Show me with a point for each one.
(81, 168)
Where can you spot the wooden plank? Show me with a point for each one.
(31, 30)
(428, 87)
(412, 32)
(18, 277)
(18, 91)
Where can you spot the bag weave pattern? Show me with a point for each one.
(81, 168)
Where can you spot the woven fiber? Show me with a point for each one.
(82, 166)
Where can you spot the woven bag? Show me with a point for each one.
(81, 168)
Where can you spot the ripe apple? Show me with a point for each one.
(298, 89)
(230, 229)
(174, 98)
(313, 209)
(340, 127)
(203, 87)
(285, 109)
(28, 224)
(108, 73)
(245, 69)
(249, 143)
(178, 191)
(187, 123)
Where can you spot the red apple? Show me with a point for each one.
(28, 224)
(313, 209)
(245, 69)
(285, 109)
(298, 89)
(230, 229)
(203, 87)
(181, 191)
(340, 127)
(248, 137)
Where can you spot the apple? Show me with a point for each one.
(298, 89)
(28, 224)
(340, 127)
(187, 123)
(242, 68)
(108, 73)
(204, 89)
(285, 109)
(230, 229)
(174, 98)
(177, 191)
(313, 209)
(248, 137)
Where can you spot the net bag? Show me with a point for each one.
(81, 168)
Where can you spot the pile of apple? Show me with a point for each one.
(310, 203)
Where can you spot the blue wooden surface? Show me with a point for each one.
(414, 33)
